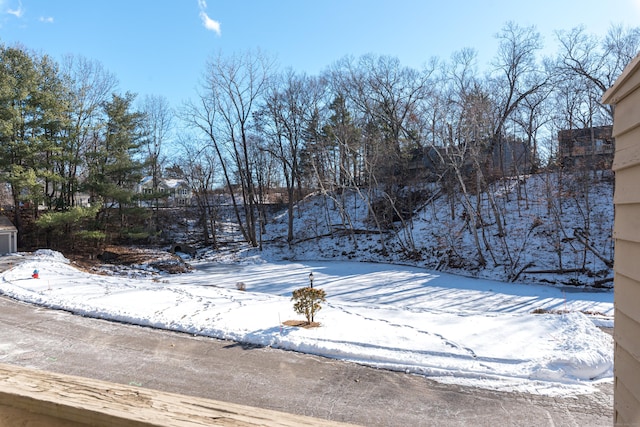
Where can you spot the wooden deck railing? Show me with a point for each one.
(32, 397)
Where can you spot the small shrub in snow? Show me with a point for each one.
(307, 301)
(241, 286)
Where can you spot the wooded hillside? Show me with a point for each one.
(85, 166)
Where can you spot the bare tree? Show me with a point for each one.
(158, 118)
(590, 65)
(199, 166)
(288, 110)
(531, 116)
(385, 98)
(229, 95)
(516, 76)
(268, 176)
(386, 94)
(459, 132)
(91, 86)
(585, 57)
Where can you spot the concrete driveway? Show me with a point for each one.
(57, 341)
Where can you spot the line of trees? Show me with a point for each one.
(367, 124)
(66, 131)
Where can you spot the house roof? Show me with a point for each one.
(174, 183)
(6, 224)
(168, 183)
(146, 179)
(627, 82)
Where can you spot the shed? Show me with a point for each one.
(8, 236)
(625, 96)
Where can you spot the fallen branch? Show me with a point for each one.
(581, 239)
(515, 277)
(599, 283)
(557, 271)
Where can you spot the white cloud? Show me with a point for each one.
(209, 24)
(46, 19)
(16, 12)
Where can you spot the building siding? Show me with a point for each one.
(625, 95)
(8, 236)
(627, 222)
(627, 152)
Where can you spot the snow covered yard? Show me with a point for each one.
(451, 329)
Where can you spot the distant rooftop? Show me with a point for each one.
(6, 224)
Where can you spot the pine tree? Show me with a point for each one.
(31, 123)
(114, 164)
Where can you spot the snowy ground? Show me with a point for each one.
(451, 329)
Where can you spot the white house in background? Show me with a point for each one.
(8, 236)
(175, 192)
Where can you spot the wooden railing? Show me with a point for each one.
(38, 398)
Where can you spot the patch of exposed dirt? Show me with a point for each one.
(128, 256)
(585, 312)
(301, 324)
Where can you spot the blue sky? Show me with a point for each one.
(160, 47)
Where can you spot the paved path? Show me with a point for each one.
(286, 381)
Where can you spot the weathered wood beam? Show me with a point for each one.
(32, 397)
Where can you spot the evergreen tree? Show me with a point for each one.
(114, 164)
(17, 84)
(342, 132)
(31, 123)
(51, 120)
